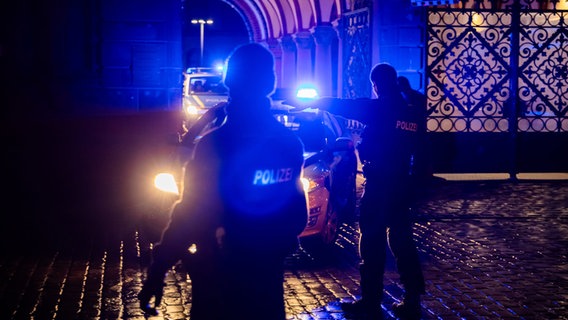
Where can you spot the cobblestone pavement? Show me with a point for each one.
(490, 250)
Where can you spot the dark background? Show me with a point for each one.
(103, 56)
(90, 96)
(227, 31)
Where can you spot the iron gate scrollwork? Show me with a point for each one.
(543, 72)
(474, 70)
(357, 54)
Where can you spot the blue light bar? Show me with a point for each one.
(306, 93)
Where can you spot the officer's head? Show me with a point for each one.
(250, 71)
(384, 79)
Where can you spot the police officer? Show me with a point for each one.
(243, 202)
(386, 150)
(265, 206)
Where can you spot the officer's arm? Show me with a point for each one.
(164, 255)
(323, 103)
(191, 219)
(364, 148)
(214, 117)
(356, 109)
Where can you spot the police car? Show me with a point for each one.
(330, 167)
(202, 89)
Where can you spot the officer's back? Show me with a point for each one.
(256, 161)
(390, 138)
(259, 166)
(255, 164)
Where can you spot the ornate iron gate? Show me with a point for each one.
(478, 61)
(501, 75)
(357, 54)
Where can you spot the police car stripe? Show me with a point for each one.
(199, 102)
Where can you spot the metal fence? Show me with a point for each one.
(357, 54)
(497, 70)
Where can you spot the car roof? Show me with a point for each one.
(202, 75)
(193, 70)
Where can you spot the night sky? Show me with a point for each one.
(227, 31)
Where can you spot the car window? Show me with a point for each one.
(204, 85)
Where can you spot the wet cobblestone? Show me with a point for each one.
(490, 250)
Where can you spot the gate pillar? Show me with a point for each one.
(304, 65)
(288, 71)
(323, 35)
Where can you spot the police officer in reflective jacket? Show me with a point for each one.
(243, 203)
(387, 147)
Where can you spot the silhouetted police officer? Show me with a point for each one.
(388, 144)
(387, 148)
(243, 203)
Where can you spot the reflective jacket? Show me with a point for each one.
(257, 163)
(245, 178)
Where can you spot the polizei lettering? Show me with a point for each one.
(272, 176)
(408, 126)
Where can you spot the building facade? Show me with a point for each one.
(494, 71)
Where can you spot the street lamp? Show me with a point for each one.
(202, 24)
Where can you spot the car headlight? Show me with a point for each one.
(191, 109)
(305, 184)
(166, 182)
(311, 184)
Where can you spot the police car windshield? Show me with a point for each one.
(207, 85)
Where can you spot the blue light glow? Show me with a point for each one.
(307, 93)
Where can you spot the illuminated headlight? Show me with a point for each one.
(166, 182)
(191, 109)
(312, 184)
(305, 184)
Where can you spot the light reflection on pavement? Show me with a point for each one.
(489, 250)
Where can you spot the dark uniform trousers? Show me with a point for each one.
(254, 277)
(385, 219)
(207, 284)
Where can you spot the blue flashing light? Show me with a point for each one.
(307, 93)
